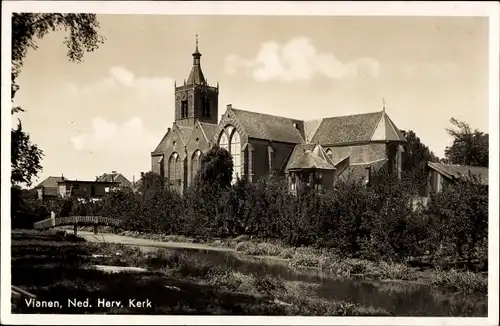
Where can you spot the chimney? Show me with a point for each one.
(62, 177)
(113, 172)
(229, 106)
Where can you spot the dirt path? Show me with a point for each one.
(114, 238)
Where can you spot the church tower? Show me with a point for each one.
(195, 99)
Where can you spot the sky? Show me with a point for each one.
(110, 111)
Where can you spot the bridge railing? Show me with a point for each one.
(72, 220)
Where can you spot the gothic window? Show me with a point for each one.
(175, 171)
(235, 150)
(206, 107)
(162, 168)
(195, 163)
(223, 142)
(184, 109)
(233, 145)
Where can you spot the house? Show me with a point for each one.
(84, 189)
(48, 188)
(311, 153)
(114, 176)
(442, 174)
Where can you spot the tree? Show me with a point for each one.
(216, 169)
(151, 183)
(25, 157)
(470, 147)
(415, 157)
(26, 29)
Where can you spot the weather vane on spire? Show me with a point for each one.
(383, 104)
(196, 42)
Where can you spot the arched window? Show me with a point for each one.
(223, 142)
(233, 145)
(195, 163)
(175, 171)
(235, 150)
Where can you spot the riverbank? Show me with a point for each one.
(327, 262)
(60, 269)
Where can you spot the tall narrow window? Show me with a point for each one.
(206, 108)
(184, 109)
(223, 142)
(235, 150)
(174, 171)
(195, 163)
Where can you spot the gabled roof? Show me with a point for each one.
(386, 130)
(183, 132)
(269, 127)
(208, 130)
(50, 182)
(310, 160)
(355, 129)
(310, 128)
(115, 177)
(454, 171)
(161, 146)
(49, 185)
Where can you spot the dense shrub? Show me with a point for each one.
(374, 222)
(460, 216)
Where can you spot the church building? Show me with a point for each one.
(311, 153)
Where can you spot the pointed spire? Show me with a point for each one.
(196, 75)
(383, 104)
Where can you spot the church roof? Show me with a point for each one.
(269, 127)
(356, 128)
(310, 160)
(209, 130)
(161, 146)
(183, 132)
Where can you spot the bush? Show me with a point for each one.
(461, 281)
(460, 214)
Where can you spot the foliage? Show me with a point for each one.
(460, 212)
(470, 147)
(25, 157)
(415, 157)
(216, 170)
(368, 222)
(27, 28)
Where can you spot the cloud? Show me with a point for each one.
(116, 139)
(298, 59)
(122, 78)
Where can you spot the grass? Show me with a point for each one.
(57, 267)
(463, 281)
(306, 257)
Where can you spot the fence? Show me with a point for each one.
(75, 220)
